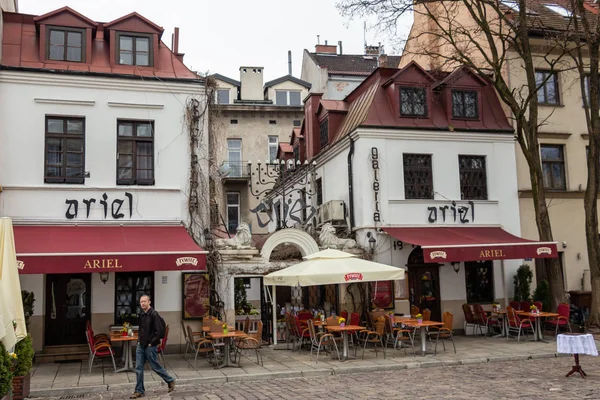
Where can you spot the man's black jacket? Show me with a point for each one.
(149, 328)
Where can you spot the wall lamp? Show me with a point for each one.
(104, 277)
(208, 238)
(372, 241)
(456, 266)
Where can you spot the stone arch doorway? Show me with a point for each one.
(300, 239)
(424, 284)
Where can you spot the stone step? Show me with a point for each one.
(52, 358)
(71, 348)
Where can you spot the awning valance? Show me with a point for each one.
(448, 244)
(53, 249)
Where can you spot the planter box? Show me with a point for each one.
(21, 387)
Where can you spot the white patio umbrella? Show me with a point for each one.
(11, 305)
(329, 267)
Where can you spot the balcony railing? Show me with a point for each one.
(235, 170)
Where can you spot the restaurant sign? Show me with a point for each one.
(354, 276)
(489, 252)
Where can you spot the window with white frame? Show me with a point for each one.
(233, 211)
(288, 98)
(223, 96)
(273, 146)
(234, 157)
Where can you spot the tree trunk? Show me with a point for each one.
(542, 219)
(594, 320)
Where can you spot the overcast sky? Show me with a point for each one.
(222, 35)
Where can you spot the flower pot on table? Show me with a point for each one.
(419, 321)
(343, 324)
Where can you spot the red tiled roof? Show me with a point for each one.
(20, 49)
(286, 148)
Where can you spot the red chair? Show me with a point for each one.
(301, 333)
(564, 312)
(524, 305)
(344, 314)
(469, 318)
(161, 347)
(516, 305)
(483, 320)
(538, 304)
(304, 316)
(354, 319)
(101, 337)
(99, 350)
(517, 324)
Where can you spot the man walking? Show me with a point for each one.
(148, 339)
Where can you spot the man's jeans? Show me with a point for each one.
(150, 354)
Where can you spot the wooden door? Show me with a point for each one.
(67, 308)
(424, 284)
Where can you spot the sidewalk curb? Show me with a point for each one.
(343, 369)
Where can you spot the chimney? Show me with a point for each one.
(340, 46)
(176, 41)
(326, 48)
(382, 61)
(251, 79)
(289, 62)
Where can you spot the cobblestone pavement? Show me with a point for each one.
(530, 379)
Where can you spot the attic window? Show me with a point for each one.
(134, 50)
(65, 45)
(413, 102)
(464, 104)
(324, 132)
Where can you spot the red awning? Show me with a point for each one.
(79, 249)
(448, 244)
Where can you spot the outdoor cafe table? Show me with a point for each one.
(228, 339)
(538, 331)
(126, 350)
(422, 326)
(344, 330)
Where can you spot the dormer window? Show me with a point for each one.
(134, 50)
(413, 102)
(65, 44)
(464, 104)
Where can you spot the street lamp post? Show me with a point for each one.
(289, 176)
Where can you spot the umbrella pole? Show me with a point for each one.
(274, 300)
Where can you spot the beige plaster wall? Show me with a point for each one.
(36, 330)
(254, 129)
(287, 85)
(311, 73)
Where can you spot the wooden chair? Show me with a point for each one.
(375, 337)
(427, 314)
(414, 310)
(321, 339)
(188, 340)
(398, 335)
(444, 332)
(201, 345)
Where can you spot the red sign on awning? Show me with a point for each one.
(79, 249)
(450, 244)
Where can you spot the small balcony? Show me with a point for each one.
(234, 171)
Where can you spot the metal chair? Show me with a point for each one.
(98, 350)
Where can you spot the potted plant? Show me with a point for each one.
(21, 380)
(28, 305)
(6, 374)
(533, 309)
(126, 328)
(342, 322)
(419, 318)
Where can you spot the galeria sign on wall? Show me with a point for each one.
(116, 206)
(376, 184)
(465, 213)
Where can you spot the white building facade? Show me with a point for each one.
(95, 173)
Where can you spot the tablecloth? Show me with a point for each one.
(576, 344)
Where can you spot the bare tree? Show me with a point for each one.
(490, 37)
(584, 47)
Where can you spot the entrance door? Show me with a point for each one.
(67, 308)
(424, 284)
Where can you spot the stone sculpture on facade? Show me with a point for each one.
(241, 241)
(329, 239)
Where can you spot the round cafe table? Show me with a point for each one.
(576, 344)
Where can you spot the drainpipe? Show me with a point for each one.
(350, 186)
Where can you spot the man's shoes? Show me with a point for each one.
(171, 386)
(137, 395)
